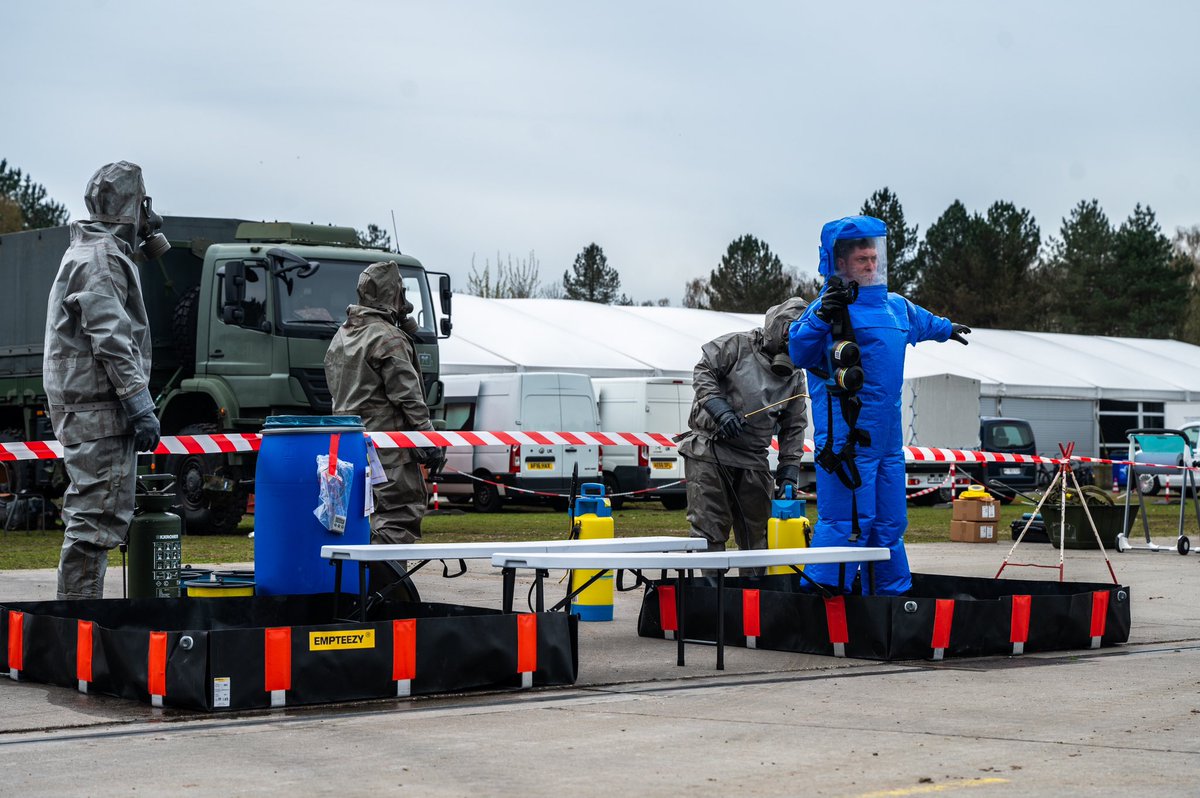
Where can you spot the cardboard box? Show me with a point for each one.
(974, 531)
(976, 510)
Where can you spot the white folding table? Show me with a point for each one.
(681, 562)
(424, 553)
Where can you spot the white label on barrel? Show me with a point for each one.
(221, 691)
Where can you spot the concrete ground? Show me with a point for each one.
(1123, 719)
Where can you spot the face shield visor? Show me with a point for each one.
(861, 260)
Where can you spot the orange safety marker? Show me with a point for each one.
(1019, 630)
(404, 655)
(156, 668)
(835, 619)
(666, 611)
(16, 644)
(83, 654)
(751, 617)
(277, 662)
(943, 619)
(1099, 615)
(526, 647)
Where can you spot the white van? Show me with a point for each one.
(645, 404)
(526, 402)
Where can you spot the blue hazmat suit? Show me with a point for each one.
(883, 324)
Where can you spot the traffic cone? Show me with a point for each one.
(1116, 486)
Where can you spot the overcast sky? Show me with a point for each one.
(661, 131)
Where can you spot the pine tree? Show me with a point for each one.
(750, 278)
(36, 209)
(591, 278)
(901, 240)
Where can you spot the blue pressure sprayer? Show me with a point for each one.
(787, 528)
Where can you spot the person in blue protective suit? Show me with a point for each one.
(856, 405)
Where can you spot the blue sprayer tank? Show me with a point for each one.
(593, 514)
(287, 536)
(787, 528)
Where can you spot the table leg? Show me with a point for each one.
(337, 588)
(870, 579)
(540, 601)
(679, 616)
(362, 592)
(510, 587)
(720, 620)
(842, 578)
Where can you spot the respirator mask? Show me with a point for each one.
(153, 243)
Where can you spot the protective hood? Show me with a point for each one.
(115, 196)
(777, 323)
(849, 227)
(381, 288)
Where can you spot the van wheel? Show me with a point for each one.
(1149, 484)
(610, 487)
(674, 501)
(486, 499)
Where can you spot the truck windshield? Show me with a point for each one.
(321, 298)
(1007, 436)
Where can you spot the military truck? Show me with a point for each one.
(241, 314)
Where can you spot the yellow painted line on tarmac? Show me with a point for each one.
(925, 789)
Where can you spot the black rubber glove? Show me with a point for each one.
(784, 476)
(729, 423)
(959, 330)
(146, 430)
(433, 458)
(833, 302)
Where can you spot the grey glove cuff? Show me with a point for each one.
(138, 404)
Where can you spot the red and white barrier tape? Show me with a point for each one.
(948, 482)
(249, 441)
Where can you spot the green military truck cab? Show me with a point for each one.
(241, 314)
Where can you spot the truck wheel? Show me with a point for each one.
(204, 512)
(486, 498)
(15, 474)
(674, 501)
(183, 329)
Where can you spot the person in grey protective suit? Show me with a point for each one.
(373, 373)
(728, 479)
(96, 369)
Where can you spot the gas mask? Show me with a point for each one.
(153, 243)
(782, 365)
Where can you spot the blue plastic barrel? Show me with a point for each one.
(287, 536)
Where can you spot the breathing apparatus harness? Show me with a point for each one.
(843, 376)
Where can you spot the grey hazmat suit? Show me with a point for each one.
(374, 373)
(728, 478)
(96, 369)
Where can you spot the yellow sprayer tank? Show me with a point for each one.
(593, 514)
(787, 528)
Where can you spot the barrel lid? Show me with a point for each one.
(324, 422)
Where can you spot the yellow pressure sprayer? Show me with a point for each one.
(787, 528)
(593, 516)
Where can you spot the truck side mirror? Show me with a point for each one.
(232, 311)
(446, 326)
(444, 289)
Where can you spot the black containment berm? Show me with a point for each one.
(262, 651)
(942, 616)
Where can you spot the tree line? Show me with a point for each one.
(987, 269)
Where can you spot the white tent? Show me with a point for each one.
(1064, 384)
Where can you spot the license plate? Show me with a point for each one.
(935, 479)
(664, 466)
(1012, 472)
(539, 466)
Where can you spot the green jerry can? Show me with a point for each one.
(155, 544)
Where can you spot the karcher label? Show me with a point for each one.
(329, 641)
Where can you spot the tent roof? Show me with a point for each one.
(614, 341)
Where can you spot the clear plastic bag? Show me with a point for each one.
(334, 506)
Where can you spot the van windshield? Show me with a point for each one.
(1007, 436)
